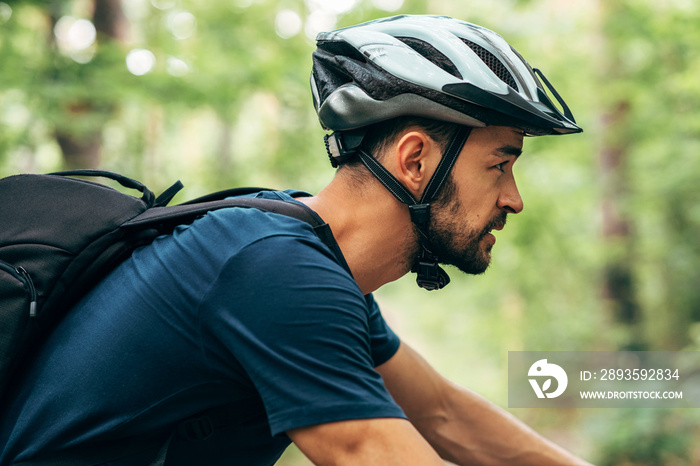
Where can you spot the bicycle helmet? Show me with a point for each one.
(433, 67)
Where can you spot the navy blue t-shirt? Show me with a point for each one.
(240, 307)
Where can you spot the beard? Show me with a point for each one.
(455, 242)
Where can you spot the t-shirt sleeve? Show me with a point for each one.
(384, 341)
(300, 329)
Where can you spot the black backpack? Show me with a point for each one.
(60, 235)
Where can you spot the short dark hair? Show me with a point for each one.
(380, 135)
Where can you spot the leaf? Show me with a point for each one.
(546, 385)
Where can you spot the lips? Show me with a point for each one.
(497, 223)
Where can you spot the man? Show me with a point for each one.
(251, 319)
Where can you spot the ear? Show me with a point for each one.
(415, 161)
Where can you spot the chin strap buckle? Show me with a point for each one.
(429, 274)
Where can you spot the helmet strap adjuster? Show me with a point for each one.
(420, 214)
(342, 146)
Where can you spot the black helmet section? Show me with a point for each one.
(433, 67)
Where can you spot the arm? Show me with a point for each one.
(463, 427)
(367, 442)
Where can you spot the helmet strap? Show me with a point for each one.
(543, 97)
(430, 275)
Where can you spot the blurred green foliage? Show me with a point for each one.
(648, 437)
(612, 216)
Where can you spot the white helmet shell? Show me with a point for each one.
(430, 66)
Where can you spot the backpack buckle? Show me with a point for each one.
(199, 428)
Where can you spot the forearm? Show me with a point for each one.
(368, 442)
(460, 425)
(471, 430)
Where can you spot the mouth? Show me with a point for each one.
(498, 223)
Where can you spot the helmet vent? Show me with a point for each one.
(432, 54)
(493, 63)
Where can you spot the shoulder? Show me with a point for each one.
(292, 271)
(221, 234)
(228, 247)
(276, 254)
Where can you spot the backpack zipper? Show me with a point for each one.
(22, 275)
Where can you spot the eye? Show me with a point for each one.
(501, 166)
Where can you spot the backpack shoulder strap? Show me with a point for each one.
(182, 213)
(165, 218)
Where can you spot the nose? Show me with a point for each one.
(510, 199)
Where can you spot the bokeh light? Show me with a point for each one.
(387, 5)
(140, 61)
(182, 24)
(5, 12)
(76, 38)
(176, 66)
(74, 34)
(287, 24)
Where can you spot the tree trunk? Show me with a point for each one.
(618, 281)
(83, 150)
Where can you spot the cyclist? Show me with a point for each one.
(231, 338)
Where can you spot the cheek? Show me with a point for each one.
(477, 190)
(479, 202)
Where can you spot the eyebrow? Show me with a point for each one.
(507, 151)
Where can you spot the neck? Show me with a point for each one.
(372, 228)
